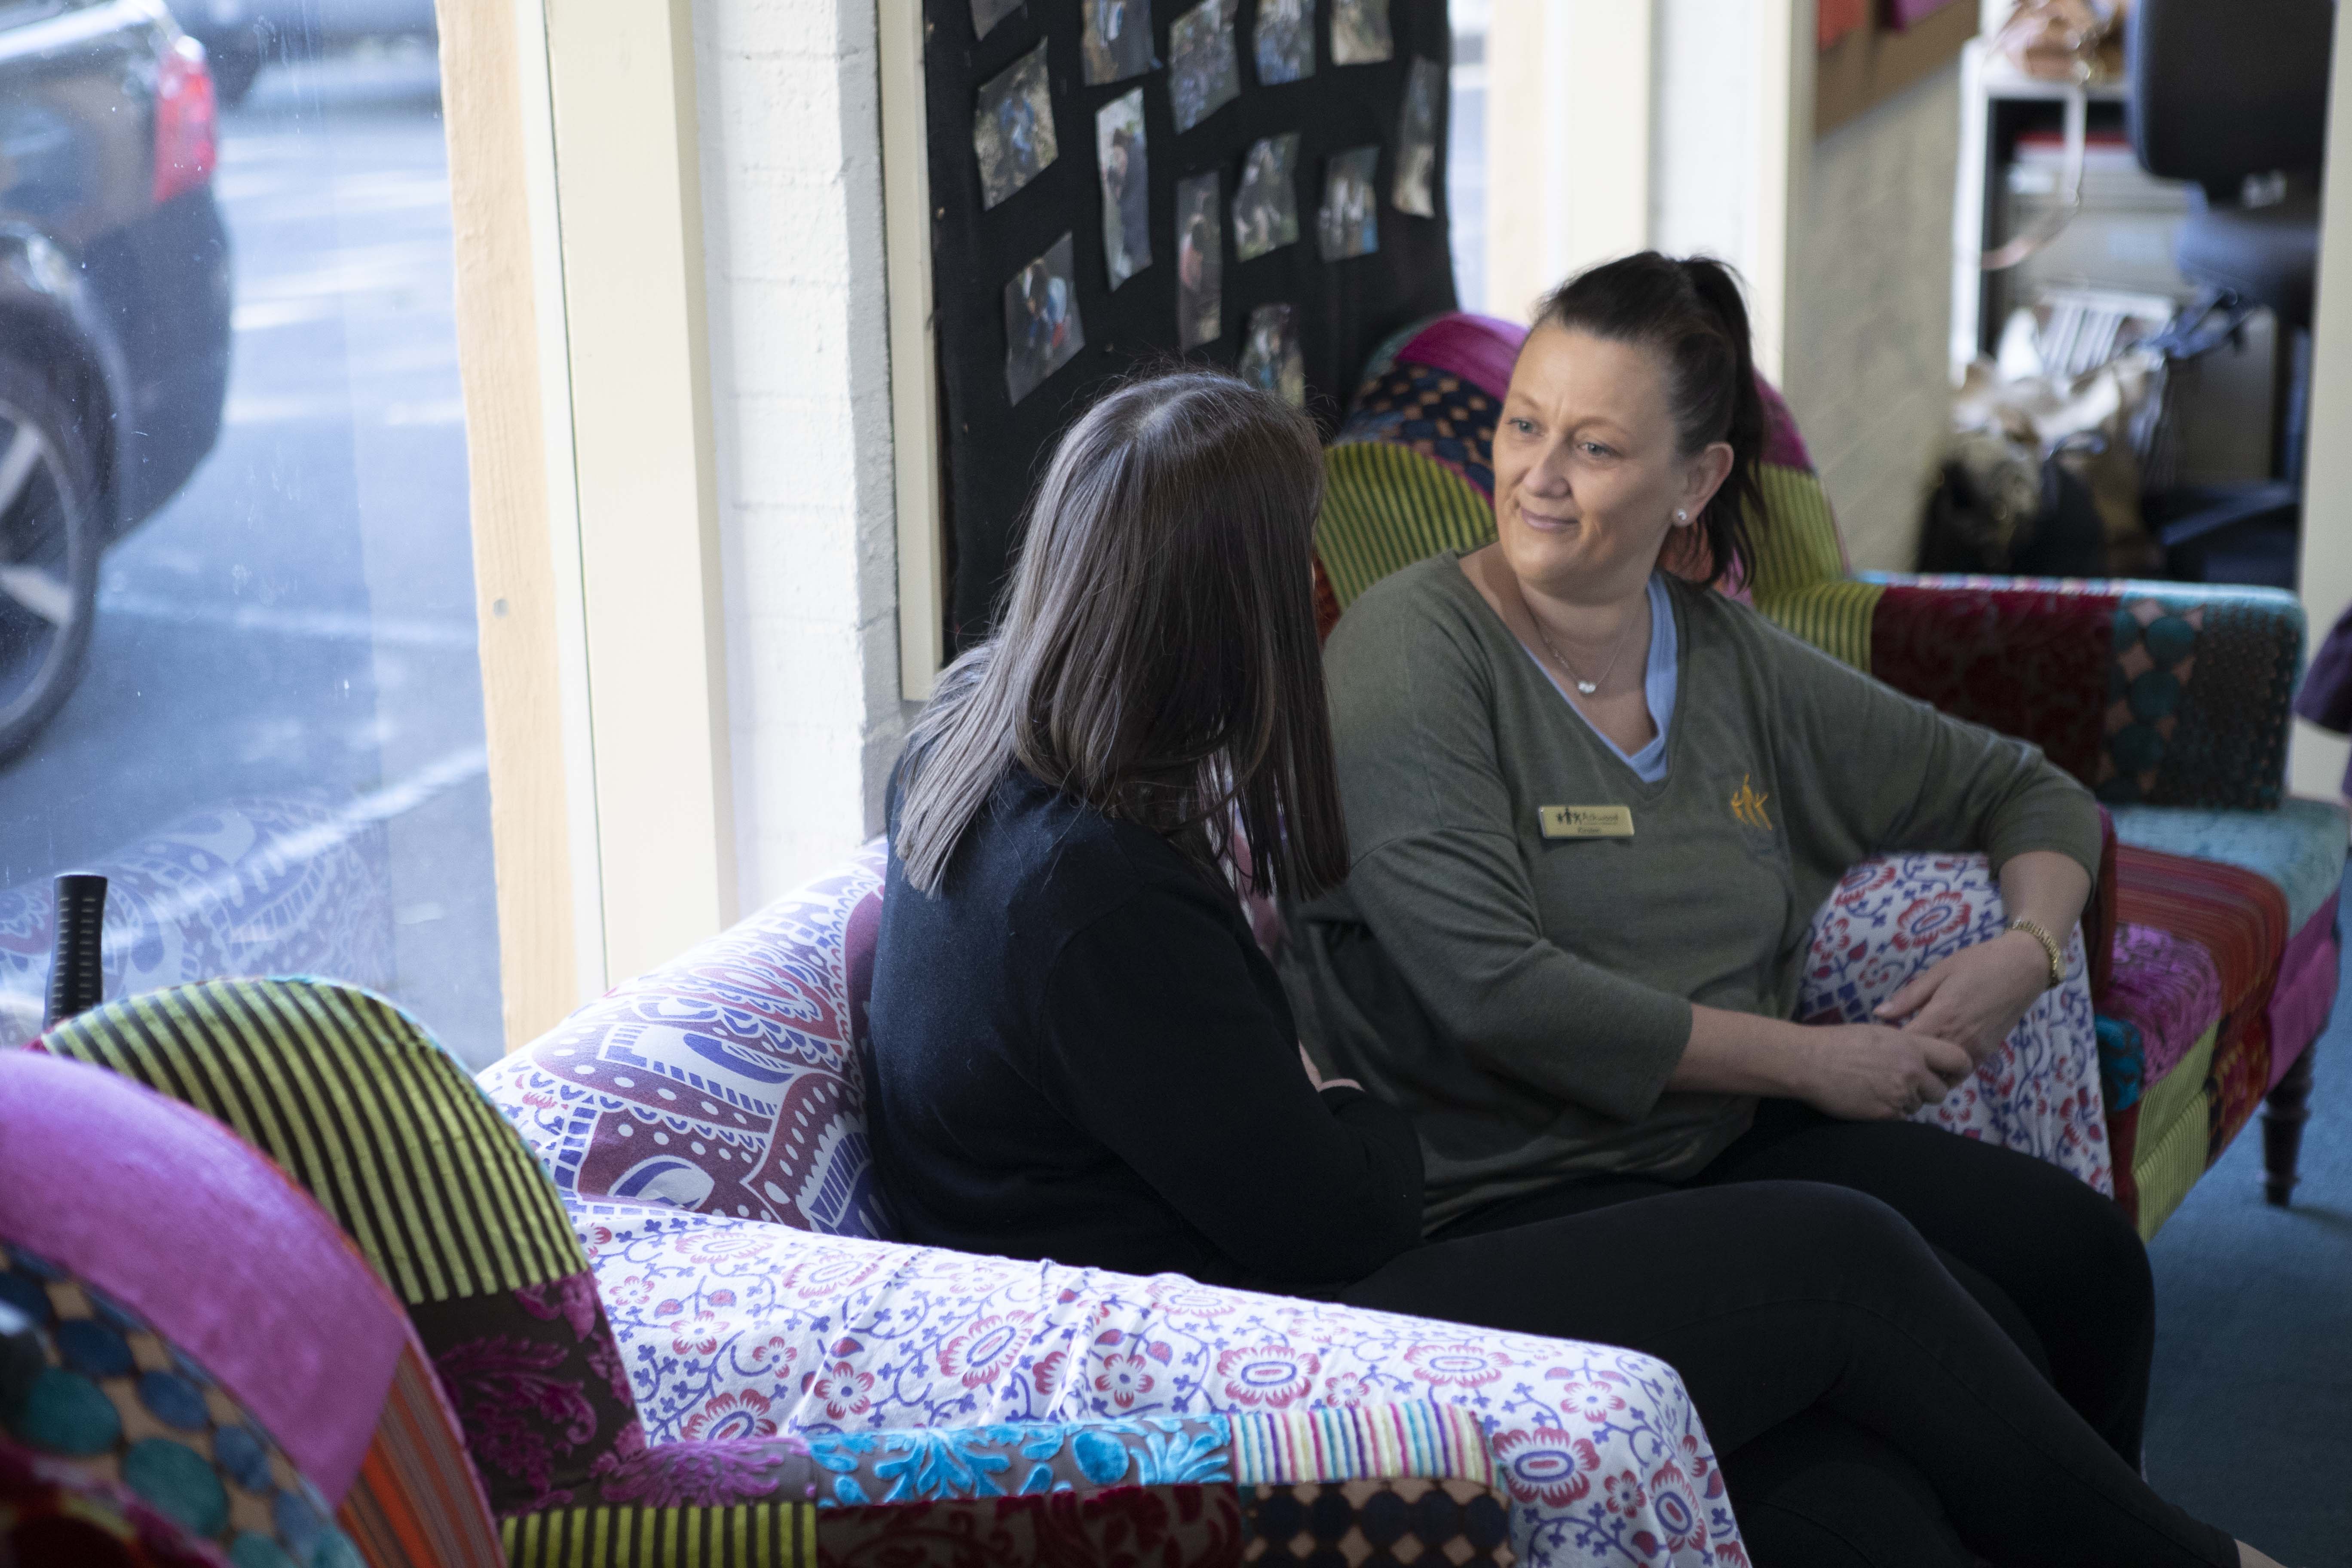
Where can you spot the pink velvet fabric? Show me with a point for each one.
(1479, 349)
(166, 1210)
(2306, 989)
(2168, 986)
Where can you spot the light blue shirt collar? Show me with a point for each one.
(1658, 682)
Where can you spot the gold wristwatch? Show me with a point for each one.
(2050, 947)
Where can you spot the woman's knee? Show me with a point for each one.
(1832, 1233)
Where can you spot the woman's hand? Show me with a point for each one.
(1868, 1072)
(1975, 997)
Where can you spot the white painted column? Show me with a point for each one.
(2316, 764)
(1567, 142)
(800, 375)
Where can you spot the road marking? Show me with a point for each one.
(37, 592)
(266, 869)
(335, 625)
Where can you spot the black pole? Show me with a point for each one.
(76, 977)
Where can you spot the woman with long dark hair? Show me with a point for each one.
(1079, 1052)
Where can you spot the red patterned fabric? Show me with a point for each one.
(2020, 661)
(2241, 1076)
(2099, 916)
(1129, 1527)
(2239, 918)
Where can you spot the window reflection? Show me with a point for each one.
(236, 632)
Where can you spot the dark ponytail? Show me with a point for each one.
(1690, 313)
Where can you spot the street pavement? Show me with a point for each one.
(297, 623)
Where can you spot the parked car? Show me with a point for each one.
(114, 314)
(240, 37)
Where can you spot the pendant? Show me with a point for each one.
(1587, 686)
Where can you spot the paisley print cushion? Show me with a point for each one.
(725, 1082)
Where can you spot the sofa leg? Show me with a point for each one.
(2284, 1114)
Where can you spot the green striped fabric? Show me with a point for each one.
(1834, 616)
(753, 1535)
(1797, 547)
(356, 1102)
(1386, 507)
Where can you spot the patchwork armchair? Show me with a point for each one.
(2213, 945)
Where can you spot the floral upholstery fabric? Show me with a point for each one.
(729, 1325)
(1891, 918)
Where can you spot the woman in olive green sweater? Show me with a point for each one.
(1591, 808)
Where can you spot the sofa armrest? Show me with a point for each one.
(862, 1348)
(2151, 693)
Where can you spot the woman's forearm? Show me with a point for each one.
(2046, 887)
(1741, 1053)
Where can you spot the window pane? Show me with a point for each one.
(1465, 153)
(231, 387)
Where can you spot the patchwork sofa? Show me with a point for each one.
(2214, 948)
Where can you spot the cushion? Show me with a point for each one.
(2299, 846)
(725, 1081)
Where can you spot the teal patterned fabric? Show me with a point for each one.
(2299, 846)
(2197, 694)
(122, 1402)
(1019, 1459)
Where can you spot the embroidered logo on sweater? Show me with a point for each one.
(1747, 805)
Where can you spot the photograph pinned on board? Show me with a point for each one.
(1126, 186)
(1270, 356)
(1117, 43)
(1200, 262)
(986, 14)
(1012, 129)
(1285, 41)
(1202, 74)
(1359, 33)
(1350, 221)
(1042, 331)
(1265, 207)
(1416, 190)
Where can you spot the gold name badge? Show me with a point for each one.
(1585, 821)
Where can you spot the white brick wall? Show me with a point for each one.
(1870, 314)
(791, 192)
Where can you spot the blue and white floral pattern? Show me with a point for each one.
(1894, 917)
(848, 1341)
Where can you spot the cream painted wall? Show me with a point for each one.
(792, 173)
(1870, 312)
(2316, 764)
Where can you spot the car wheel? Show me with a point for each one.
(48, 553)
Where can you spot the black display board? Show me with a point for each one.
(994, 446)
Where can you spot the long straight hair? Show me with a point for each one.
(1156, 656)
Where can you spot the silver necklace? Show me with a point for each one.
(1583, 686)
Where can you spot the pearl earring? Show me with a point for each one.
(1681, 516)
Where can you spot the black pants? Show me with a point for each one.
(1871, 1407)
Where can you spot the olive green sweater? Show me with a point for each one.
(1524, 997)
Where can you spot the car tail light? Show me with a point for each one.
(187, 127)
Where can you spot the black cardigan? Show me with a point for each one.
(1079, 1052)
